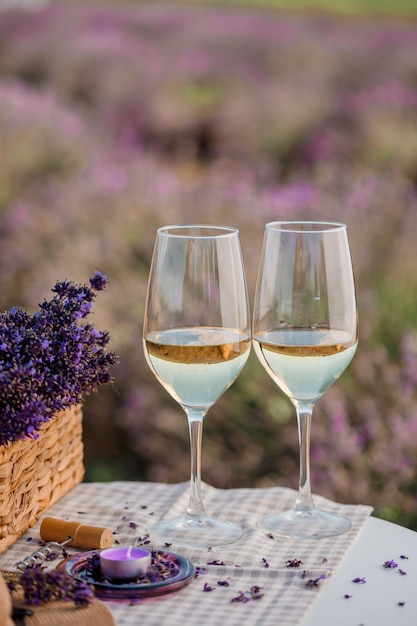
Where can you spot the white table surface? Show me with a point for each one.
(374, 603)
(128, 508)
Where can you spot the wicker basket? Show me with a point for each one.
(35, 473)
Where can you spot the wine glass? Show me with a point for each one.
(305, 333)
(196, 338)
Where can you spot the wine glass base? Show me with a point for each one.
(195, 532)
(305, 524)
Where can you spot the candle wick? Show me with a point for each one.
(129, 552)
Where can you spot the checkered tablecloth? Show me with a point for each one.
(128, 508)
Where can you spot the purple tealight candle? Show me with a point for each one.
(124, 563)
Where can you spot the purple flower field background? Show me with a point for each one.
(114, 121)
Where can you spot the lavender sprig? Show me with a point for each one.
(315, 582)
(41, 586)
(49, 360)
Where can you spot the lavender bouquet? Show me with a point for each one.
(50, 360)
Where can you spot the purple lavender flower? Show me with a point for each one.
(98, 281)
(293, 563)
(315, 582)
(48, 360)
(241, 597)
(199, 571)
(40, 586)
(256, 592)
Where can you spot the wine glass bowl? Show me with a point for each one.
(305, 333)
(196, 339)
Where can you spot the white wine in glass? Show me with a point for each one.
(305, 333)
(196, 339)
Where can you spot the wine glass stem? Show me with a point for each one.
(304, 414)
(195, 423)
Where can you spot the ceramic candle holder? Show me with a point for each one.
(125, 563)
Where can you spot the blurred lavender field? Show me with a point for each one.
(114, 121)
